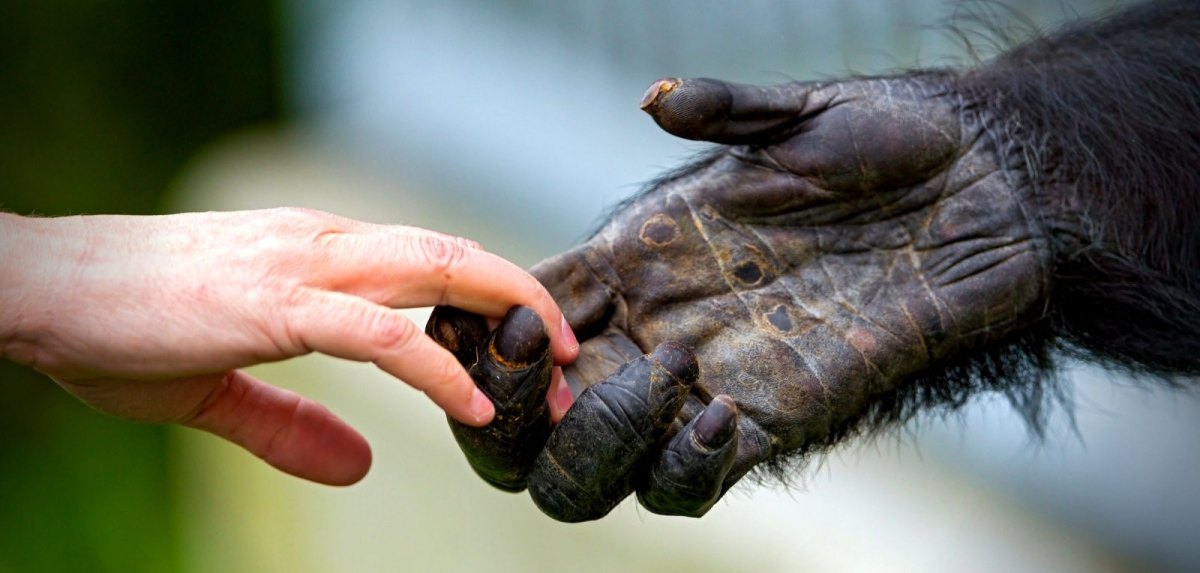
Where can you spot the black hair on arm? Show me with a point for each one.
(1103, 120)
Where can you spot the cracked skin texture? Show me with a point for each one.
(844, 236)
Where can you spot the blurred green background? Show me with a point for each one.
(513, 123)
(101, 104)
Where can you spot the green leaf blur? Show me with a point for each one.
(101, 103)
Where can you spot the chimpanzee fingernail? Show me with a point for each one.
(657, 88)
(717, 422)
(521, 338)
(677, 359)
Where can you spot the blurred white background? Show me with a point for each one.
(516, 124)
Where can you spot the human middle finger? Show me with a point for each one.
(418, 268)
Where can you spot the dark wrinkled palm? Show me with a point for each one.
(845, 237)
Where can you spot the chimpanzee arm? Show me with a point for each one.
(1103, 123)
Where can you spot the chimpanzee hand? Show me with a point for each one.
(846, 236)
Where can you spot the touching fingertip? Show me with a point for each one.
(482, 408)
(568, 334)
(563, 399)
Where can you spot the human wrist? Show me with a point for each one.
(33, 252)
(12, 289)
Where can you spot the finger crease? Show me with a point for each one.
(268, 453)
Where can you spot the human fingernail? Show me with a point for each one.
(717, 422)
(482, 408)
(569, 336)
(562, 394)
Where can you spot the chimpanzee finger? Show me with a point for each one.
(724, 112)
(588, 465)
(513, 368)
(459, 331)
(689, 475)
(578, 280)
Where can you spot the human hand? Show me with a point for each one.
(847, 236)
(150, 318)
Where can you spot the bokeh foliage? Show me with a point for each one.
(101, 103)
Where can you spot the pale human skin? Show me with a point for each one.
(151, 318)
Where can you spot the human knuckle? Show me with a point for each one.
(538, 296)
(290, 296)
(392, 332)
(440, 254)
(300, 222)
(460, 241)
